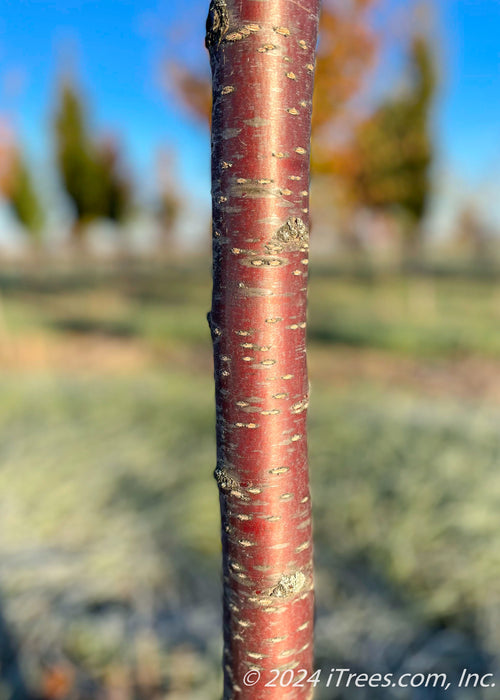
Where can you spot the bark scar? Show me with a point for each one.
(289, 585)
(293, 235)
(224, 481)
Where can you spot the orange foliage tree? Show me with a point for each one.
(16, 185)
(379, 160)
(7, 158)
(193, 89)
(346, 53)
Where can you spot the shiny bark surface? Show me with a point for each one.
(262, 56)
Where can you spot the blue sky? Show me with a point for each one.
(118, 47)
(469, 109)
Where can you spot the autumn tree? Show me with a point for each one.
(193, 88)
(346, 54)
(91, 171)
(24, 200)
(7, 154)
(16, 185)
(262, 59)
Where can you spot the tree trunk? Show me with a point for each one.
(262, 57)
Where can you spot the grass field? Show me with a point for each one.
(109, 549)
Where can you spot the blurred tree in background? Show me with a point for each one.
(7, 154)
(346, 53)
(372, 149)
(16, 186)
(388, 164)
(24, 200)
(473, 239)
(91, 172)
(169, 201)
(193, 89)
(114, 189)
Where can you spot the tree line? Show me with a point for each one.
(372, 153)
(91, 171)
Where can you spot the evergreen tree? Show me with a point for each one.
(392, 152)
(16, 185)
(24, 200)
(90, 172)
(114, 188)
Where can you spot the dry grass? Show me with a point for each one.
(109, 549)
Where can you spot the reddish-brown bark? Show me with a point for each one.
(262, 56)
